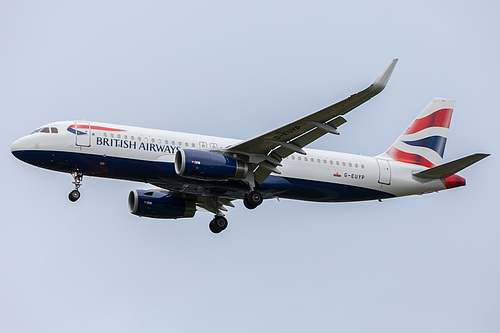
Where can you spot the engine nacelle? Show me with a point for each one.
(159, 205)
(206, 165)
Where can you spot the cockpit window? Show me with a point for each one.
(46, 130)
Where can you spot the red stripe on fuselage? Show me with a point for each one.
(99, 128)
(440, 118)
(402, 156)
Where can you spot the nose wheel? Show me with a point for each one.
(75, 194)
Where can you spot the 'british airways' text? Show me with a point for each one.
(128, 144)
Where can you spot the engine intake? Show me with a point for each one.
(206, 165)
(159, 205)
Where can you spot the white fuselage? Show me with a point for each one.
(125, 152)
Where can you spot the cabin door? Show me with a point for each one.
(384, 172)
(83, 134)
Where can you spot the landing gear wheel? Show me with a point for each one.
(218, 224)
(252, 200)
(74, 195)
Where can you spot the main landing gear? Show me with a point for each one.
(252, 200)
(216, 205)
(218, 224)
(75, 194)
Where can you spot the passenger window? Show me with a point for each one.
(299, 158)
(213, 145)
(153, 140)
(53, 130)
(193, 145)
(186, 144)
(125, 137)
(132, 138)
(305, 159)
(350, 165)
(203, 144)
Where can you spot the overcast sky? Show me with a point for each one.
(227, 68)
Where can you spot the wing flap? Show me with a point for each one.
(262, 172)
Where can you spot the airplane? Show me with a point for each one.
(193, 172)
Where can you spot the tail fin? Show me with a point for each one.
(424, 140)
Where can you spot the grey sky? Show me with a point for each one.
(418, 264)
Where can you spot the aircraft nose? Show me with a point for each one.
(19, 146)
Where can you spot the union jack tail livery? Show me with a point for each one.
(424, 141)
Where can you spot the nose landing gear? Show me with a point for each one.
(75, 194)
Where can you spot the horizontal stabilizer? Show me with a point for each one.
(450, 168)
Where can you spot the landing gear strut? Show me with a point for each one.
(252, 200)
(75, 194)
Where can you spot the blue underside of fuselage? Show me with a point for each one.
(162, 174)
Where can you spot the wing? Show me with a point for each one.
(267, 151)
(208, 202)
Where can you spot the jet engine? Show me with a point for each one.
(159, 205)
(200, 164)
